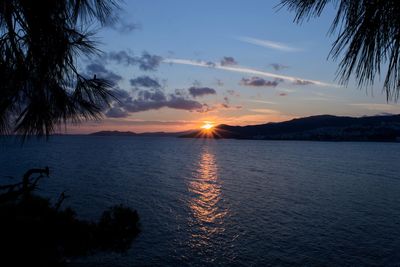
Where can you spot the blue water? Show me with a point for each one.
(229, 202)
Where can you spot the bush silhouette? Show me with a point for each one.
(36, 232)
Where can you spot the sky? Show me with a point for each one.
(177, 64)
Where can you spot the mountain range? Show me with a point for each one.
(148, 134)
(321, 127)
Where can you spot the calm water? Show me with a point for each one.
(213, 202)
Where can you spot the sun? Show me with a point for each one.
(208, 130)
(207, 126)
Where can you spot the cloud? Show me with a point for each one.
(278, 67)
(123, 26)
(268, 44)
(181, 92)
(245, 70)
(149, 62)
(228, 61)
(155, 95)
(157, 100)
(233, 93)
(116, 112)
(121, 57)
(96, 68)
(126, 27)
(146, 61)
(258, 82)
(261, 101)
(178, 102)
(145, 81)
(302, 82)
(210, 64)
(265, 111)
(120, 93)
(135, 121)
(220, 106)
(227, 106)
(201, 91)
(154, 99)
(101, 72)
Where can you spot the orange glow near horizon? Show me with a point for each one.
(152, 124)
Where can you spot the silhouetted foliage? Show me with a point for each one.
(41, 89)
(40, 41)
(369, 37)
(36, 233)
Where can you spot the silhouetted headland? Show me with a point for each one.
(148, 134)
(318, 128)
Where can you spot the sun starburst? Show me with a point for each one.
(207, 126)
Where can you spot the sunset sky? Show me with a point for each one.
(176, 64)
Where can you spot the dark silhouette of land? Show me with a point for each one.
(321, 128)
(147, 134)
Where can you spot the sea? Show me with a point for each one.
(206, 202)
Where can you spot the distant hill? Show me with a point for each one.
(113, 133)
(149, 134)
(166, 134)
(322, 127)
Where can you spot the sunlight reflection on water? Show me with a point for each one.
(205, 204)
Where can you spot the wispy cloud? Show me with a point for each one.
(268, 44)
(258, 82)
(261, 101)
(302, 82)
(228, 61)
(242, 69)
(265, 110)
(278, 67)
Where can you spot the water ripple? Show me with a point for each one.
(229, 202)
